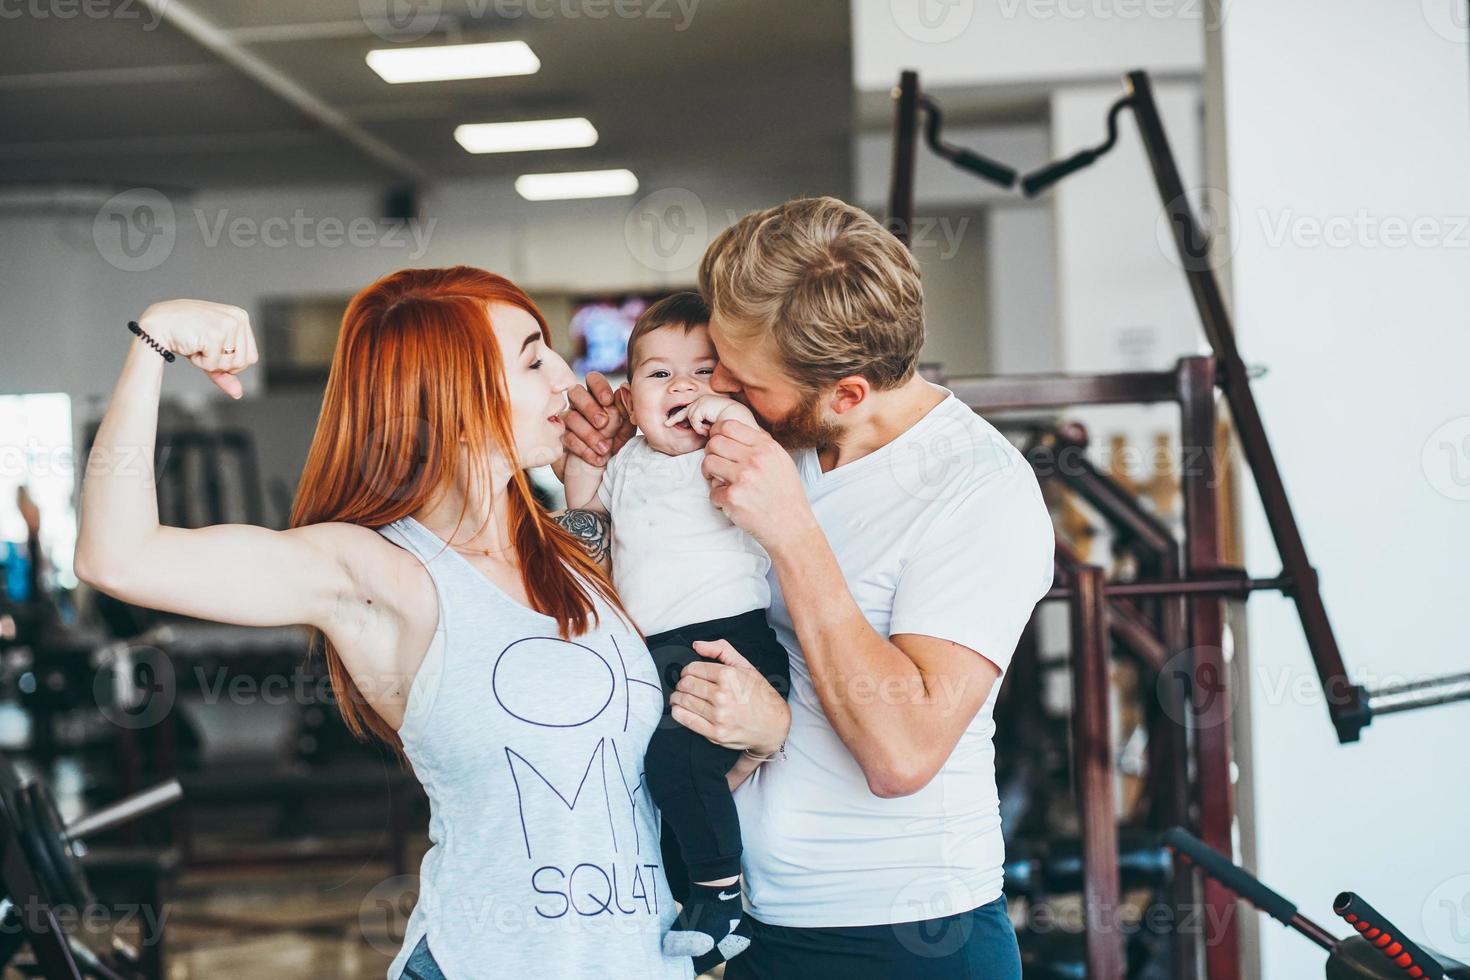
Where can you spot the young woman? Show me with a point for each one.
(462, 624)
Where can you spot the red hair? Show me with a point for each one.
(417, 368)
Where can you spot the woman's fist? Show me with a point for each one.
(214, 336)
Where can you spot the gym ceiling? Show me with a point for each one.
(115, 94)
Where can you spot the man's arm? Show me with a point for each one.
(899, 704)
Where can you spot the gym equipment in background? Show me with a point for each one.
(910, 102)
(1166, 616)
(1379, 950)
(42, 875)
(1351, 706)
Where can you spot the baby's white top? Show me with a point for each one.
(676, 559)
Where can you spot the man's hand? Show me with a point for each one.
(726, 700)
(756, 484)
(595, 427)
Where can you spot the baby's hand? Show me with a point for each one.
(706, 410)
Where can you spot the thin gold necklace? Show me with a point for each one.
(487, 552)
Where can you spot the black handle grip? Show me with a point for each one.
(1039, 180)
(1392, 943)
(1229, 874)
(995, 172)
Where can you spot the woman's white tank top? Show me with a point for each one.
(545, 851)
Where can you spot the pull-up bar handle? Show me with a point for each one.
(978, 164)
(1039, 180)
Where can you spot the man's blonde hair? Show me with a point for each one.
(836, 291)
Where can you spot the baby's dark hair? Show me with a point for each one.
(686, 309)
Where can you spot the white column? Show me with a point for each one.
(1346, 139)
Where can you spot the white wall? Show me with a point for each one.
(986, 255)
(991, 42)
(952, 251)
(1357, 120)
(1123, 303)
(70, 288)
(1076, 51)
(1022, 289)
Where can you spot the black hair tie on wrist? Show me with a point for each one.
(168, 355)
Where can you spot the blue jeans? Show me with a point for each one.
(976, 945)
(421, 965)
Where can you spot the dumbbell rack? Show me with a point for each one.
(40, 874)
(28, 907)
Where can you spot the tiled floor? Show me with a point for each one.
(326, 923)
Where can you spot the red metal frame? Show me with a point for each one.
(1192, 619)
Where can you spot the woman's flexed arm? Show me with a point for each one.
(229, 573)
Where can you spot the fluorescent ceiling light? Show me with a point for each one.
(535, 134)
(586, 183)
(449, 61)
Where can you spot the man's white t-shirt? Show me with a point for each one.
(676, 560)
(941, 532)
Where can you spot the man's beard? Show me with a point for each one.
(804, 427)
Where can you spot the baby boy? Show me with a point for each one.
(685, 573)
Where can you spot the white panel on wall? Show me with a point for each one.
(962, 42)
(1352, 253)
